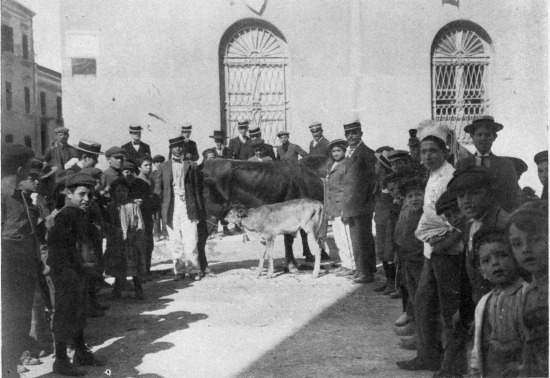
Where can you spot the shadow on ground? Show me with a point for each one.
(129, 334)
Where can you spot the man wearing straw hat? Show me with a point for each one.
(221, 151)
(88, 155)
(136, 149)
(190, 150)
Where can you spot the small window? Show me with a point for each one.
(59, 108)
(43, 136)
(25, 47)
(9, 138)
(83, 66)
(8, 95)
(27, 100)
(43, 103)
(7, 38)
(28, 141)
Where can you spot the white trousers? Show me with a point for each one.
(343, 242)
(183, 240)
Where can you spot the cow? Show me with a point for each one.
(252, 184)
(268, 221)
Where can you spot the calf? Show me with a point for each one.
(289, 217)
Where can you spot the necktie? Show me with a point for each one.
(483, 160)
(136, 143)
(177, 160)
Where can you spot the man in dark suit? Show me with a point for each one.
(240, 146)
(60, 152)
(180, 188)
(190, 150)
(541, 160)
(266, 149)
(221, 151)
(319, 145)
(136, 149)
(287, 150)
(358, 202)
(483, 131)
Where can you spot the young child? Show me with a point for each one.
(497, 347)
(125, 254)
(410, 250)
(68, 272)
(333, 207)
(528, 235)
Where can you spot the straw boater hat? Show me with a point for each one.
(175, 141)
(186, 127)
(243, 124)
(254, 131)
(483, 121)
(352, 126)
(89, 147)
(218, 134)
(135, 129)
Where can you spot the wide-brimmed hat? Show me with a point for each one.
(89, 147)
(398, 154)
(485, 120)
(382, 157)
(218, 134)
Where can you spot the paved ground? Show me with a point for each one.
(238, 325)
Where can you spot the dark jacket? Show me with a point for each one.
(359, 182)
(321, 148)
(193, 191)
(335, 189)
(240, 150)
(226, 153)
(63, 238)
(507, 190)
(292, 152)
(133, 155)
(58, 156)
(190, 147)
(269, 151)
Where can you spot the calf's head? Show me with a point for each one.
(235, 215)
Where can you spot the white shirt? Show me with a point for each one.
(487, 159)
(136, 146)
(436, 186)
(350, 151)
(178, 182)
(317, 142)
(243, 139)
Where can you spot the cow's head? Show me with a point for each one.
(235, 215)
(216, 188)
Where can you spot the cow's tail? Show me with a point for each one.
(321, 232)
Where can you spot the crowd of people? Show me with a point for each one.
(462, 246)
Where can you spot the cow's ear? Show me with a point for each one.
(242, 213)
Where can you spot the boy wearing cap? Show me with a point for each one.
(88, 155)
(19, 255)
(180, 187)
(60, 152)
(67, 272)
(541, 160)
(267, 149)
(319, 145)
(190, 150)
(240, 145)
(483, 131)
(115, 157)
(136, 149)
(358, 203)
(287, 150)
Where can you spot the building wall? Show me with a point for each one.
(20, 73)
(49, 83)
(348, 59)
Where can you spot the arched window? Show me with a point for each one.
(253, 67)
(461, 58)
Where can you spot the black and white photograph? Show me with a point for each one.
(274, 188)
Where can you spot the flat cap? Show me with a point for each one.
(414, 182)
(471, 178)
(447, 201)
(115, 151)
(397, 154)
(80, 179)
(282, 132)
(93, 172)
(338, 142)
(541, 156)
(128, 166)
(519, 165)
(159, 159)
(61, 130)
(315, 126)
(254, 131)
(485, 120)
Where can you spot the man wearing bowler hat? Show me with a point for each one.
(222, 152)
(240, 145)
(88, 155)
(319, 145)
(541, 159)
(180, 188)
(358, 202)
(483, 131)
(136, 149)
(266, 149)
(287, 150)
(190, 150)
(60, 152)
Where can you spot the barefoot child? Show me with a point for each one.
(125, 254)
(528, 234)
(498, 326)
